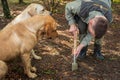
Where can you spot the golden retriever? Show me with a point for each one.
(31, 10)
(19, 40)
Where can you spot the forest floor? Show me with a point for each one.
(56, 55)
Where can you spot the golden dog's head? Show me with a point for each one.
(35, 9)
(49, 30)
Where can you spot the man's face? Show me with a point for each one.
(91, 27)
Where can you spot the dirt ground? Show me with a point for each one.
(56, 55)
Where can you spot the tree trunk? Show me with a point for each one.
(21, 1)
(6, 9)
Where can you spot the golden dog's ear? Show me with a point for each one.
(30, 14)
(32, 11)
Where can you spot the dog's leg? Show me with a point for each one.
(35, 56)
(3, 69)
(33, 69)
(27, 65)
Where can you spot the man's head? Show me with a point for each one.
(98, 26)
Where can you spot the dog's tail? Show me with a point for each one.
(3, 69)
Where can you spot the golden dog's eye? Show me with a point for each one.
(43, 10)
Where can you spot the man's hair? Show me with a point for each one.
(100, 27)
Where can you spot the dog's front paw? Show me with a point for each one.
(33, 69)
(32, 75)
(37, 57)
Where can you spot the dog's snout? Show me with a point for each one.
(46, 12)
(50, 13)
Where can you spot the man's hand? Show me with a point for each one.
(78, 49)
(73, 28)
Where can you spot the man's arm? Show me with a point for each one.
(86, 40)
(69, 15)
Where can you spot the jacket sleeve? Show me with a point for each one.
(110, 3)
(69, 15)
(86, 40)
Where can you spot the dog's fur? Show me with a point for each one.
(31, 10)
(3, 69)
(19, 40)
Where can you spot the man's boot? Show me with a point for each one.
(82, 54)
(97, 52)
